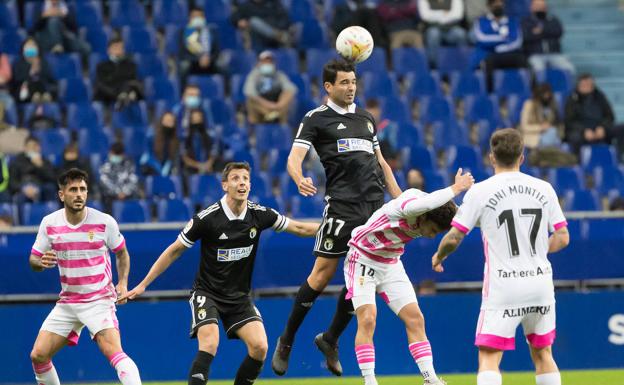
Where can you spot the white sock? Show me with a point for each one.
(489, 377)
(370, 380)
(553, 378)
(45, 374)
(127, 370)
(421, 352)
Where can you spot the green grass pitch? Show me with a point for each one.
(570, 377)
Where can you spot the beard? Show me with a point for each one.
(72, 208)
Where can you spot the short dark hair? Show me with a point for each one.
(507, 146)
(117, 148)
(195, 9)
(442, 216)
(71, 175)
(234, 166)
(115, 40)
(584, 76)
(372, 103)
(331, 69)
(31, 138)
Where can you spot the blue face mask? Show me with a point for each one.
(31, 52)
(115, 159)
(191, 101)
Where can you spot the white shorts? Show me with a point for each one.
(365, 277)
(67, 320)
(496, 329)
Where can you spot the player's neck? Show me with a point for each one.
(236, 206)
(500, 170)
(75, 217)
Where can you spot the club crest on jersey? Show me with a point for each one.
(328, 244)
(253, 232)
(201, 314)
(91, 234)
(370, 127)
(188, 226)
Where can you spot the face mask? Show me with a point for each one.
(191, 101)
(198, 22)
(540, 14)
(168, 130)
(32, 154)
(546, 99)
(31, 52)
(267, 69)
(115, 58)
(498, 11)
(115, 159)
(197, 127)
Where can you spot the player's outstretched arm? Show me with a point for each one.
(302, 229)
(449, 244)
(295, 160)
(463, 181)
(559, 240)
(46, 261)
(439, 197)
(122, 259)
(391, 183)
(163, 262)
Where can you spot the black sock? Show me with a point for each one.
(303, 302)
(344, 313)
(248, 371)
(200, 368)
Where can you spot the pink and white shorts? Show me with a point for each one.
(67, 320)
(496, 328)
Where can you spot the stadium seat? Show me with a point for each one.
(211, 86)
(514, 81)
(436, 109)
(272, 136)
(139, 39)
(312, 35)
(53, 142)
(162, 88)
(395, 109)
(582, 200)
(163, 186)
(169, 12)
(131, 211)
(317, 57)
(306, 207)
(74, 90)
(422, 158)
(435, 180)
(228, 36)
(238, 62)
(466, 83)
(399, 176)
(150, 64)
(453, 59)
(10, 210)
(301, 10)
(65, 65)
(466, 157)
(8, 15)
(84, 114)
(423, 85)
(11, 41)
(600, 230)
(375, 63)
(222, 111)
(135, 141)
(32, 10)
(94, 142)
(133, 115)
(449, 133)
(598, 155)
(608, 178)
(277, 160)
(566, 178)
(174, 210)
(172, 39)
(379, 84)
(288, 188)
(217, 10)
(482, 107)
(409, 60)
(126, 13)
(88, 13)
(286, 60)
(410, 135)
(514, 106)
(33, 213)
(261, 184)
(51, 110)
(559, 80)
(302, 81)
(205, 188)
(10, 115)
(97, 37)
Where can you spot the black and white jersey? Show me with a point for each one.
(228, 247)
(345, 141)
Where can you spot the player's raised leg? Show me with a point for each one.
(208, 341)
(254, 337)
(546, 370)
(489, 362)
(364, 347)
(46, 346)
(109, 342)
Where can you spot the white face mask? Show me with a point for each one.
(197, 22)
(267, 69)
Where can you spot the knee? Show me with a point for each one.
(38, 357)
(208, 345)
(367, 322)
(258, 349)
(415, 321)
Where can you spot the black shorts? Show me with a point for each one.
(206, 309)
(339, 219)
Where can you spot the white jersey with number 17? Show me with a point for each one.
(516, 212)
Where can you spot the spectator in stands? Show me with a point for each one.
(269, 92)
(539, 121)
(32, 78)
(415, 179)
(199, 47)
(6, 219)
(541, 33)
(427, 287)
(39, 120)
(31, 176)
(266, 22)
(387, 133)
(5, 195)
(116, 79)
(118, 179)
(617, 204)
(400, 20)
(191, 100)
(588, 115)
(442, 19)
(474, 10)
(200, 153)
(6, 100)
(72, 159)
(56, 30)
(498, 41)
(162, 158)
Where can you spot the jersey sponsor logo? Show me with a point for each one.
(341, 127)
(370, 127)
(355, 144)
(223, 236)
(253, 232)
(524, 273)
(188, 226)
(229, 255)
(522, 311)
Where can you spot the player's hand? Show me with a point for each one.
(306, 187)
(132, 294)
(48, 260)
(122, 290)
(462, 181)
(436, 263)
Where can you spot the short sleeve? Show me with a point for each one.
(194, 230)
(287, 85)
(271, 218)
(556, 219)
(249, 87)
(114, 240)
(306, 133)
(467, 215)
(42, 242)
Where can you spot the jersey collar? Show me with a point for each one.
(350, 108)
(228, 212)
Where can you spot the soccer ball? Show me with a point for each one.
(355, 44)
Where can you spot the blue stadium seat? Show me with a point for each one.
(10, 210)
(286, 60)
(288, 188)
(222, 111)
(484, 129)
(11, 41)
(410, 135)
(8, 15)
(317, 57)
(566, 178)
(272, 136)
(139, 39)
(236, 89)
(205, 188)
(261, 184)
(515, 103)
(453, 59)
(312, 35)
(135, 141)
(10, 115)
(150, 64)
(481, 107)
(607, 179)
(84, 114)
(436, 109)
(375, 63)
(409, 60)
(604, 229)
(449, 133)
(514, 81)
(169, 12)
(467, 83)
(238, 62)
(422, 158)
(559, 80)
(395, 109)
(93, 142)
(217, 10)
(65, 65)
(379, 84)
(598, 155)
(302, 81)
(33, 213)
(163, 186)
(98, 37)
(582, 200)
(518, 8)
(211, 87)
(174, 210)
(306, 207)
(32, 10)
(466, 157)
(162, 88)
(51, 110)
(228, 36)
(126, 13)
(88, 13)
(172, 39)
(53, 142)
(74, 90)
(435, 180)
(423, 85)
(277, 160)
(301, 10)
(131, 211)
(133, 115)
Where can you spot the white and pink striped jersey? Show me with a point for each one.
(82, 251)
(383, 237)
